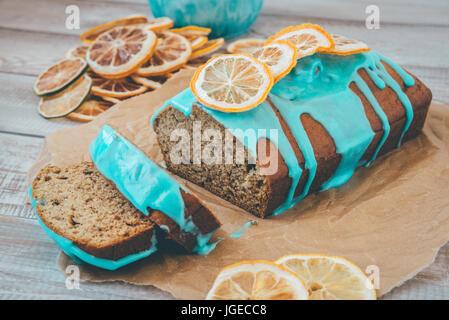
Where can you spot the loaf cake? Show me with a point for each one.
(331, 113)
(90, 220)
(154, 192)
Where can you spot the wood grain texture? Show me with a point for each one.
(33, 36)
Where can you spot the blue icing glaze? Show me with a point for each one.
(319, 86)
(142, 181)
(241, 231)
(80, 256)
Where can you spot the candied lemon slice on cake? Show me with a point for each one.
(77, 52)
(59, 76)
(346, 46)
(257, 280)
(90, 109)
(90, 35)
(279, 56)
(330, 278)
(117, 88)
(245, 45)
(172, 52)
(120, 51)
(61, 104)
(308, 38)
(207, 48)
(232, 83)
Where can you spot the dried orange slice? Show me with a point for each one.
(90, 35)
(159, 24)
(112, 99)
(308, 38)
(197, 36)
(346, 46)
(59, 76)
(151, 82)
(117, 88)
(257, 280)
(245, 45)
(172, 51)
(77, 52)
(232, 83)
(192, 30)
(90, 109)
(279, 56)
(120, 51)
(207, 48)
(61, 104)
(330, 278)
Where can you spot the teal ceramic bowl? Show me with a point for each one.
(227, 18)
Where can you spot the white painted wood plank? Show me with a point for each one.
(17, 155)
(50, 16)
(30, 53)
(28, 269)
(416, 12)
(18, 108)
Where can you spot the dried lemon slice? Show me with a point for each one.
(120, 51)
(61, 104)
(151, 82)
(232, 83)
(245, 45)
(90, 35)
(257, 280)
(90, 109)
(77, 52)
(117, 88)
(308, 38)
(207, 48)
(172, 51)
(59, 76)
(330, 278)
(279, 56)
(346, 46)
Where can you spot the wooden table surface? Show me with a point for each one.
(33, 36)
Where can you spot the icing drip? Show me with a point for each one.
(319, 86)
(80, 256)
(143, 182)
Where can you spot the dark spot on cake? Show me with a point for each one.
(47, 178)
(87, 173)
(62, 178)
(55, 203)
(250, 167)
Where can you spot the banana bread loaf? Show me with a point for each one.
(178, 213)
(329, 116)
(89, 218)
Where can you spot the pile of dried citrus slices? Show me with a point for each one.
(293, 277)
(118, 60)
(242, 79)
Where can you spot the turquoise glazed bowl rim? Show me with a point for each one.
(226, 18)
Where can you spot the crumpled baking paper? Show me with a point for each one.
(390, 218)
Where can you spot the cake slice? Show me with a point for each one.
(330, 115)
(89, 218)
(168, 204)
